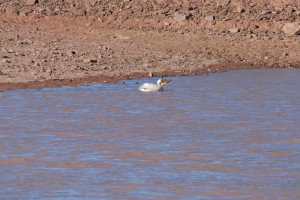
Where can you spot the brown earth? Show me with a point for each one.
(69, 42)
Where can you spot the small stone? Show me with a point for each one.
(166, 23)
(179, 17)
(233, 30)
(11, 10)
(88, 24)
(291, 29)
(10, 51)
(240, 9)
(93, 60)
(150, 74)
(48, 71)
(100, 20)
(106, 48)
(210, 18)
(30, 2)
(6, 60)
(23, 14)
(86, 60)
(90, 60)
(223, 2)
(278, 9)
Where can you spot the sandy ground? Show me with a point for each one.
(48, 50)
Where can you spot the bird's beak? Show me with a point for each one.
(165, 81)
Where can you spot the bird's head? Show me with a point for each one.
(162, 82)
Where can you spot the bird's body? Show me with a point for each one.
(150, 87)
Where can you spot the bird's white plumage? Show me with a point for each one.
(150, 87)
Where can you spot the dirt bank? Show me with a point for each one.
(54, 43)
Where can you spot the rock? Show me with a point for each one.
(23, 13)
(30, 2)
(106, 48)
(86, 60)
(88, 24)
(93, 60)
(223, 2)
(90, 60)
(240, 9)
(11, 10)
(210, 18)
(179, 17)
(10, 51)
(233, 30)
(6, 60)
(291, 29)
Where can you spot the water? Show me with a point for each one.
(230, 135)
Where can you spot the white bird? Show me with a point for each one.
(150, 87)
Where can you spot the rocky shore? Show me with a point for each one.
(55, 43)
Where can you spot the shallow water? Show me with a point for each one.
(230, 135)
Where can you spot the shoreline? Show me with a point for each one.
(53, 83)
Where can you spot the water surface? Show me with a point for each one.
(230, 135)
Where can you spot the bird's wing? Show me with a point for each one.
(149, 87)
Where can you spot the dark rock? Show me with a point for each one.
(239, 9)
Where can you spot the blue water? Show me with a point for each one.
(231, 135)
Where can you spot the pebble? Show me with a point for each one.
(93, 60)
(89, 60)
(10, 51)
(6, 60)
(210, 18)
(240, 9)
(291, 29)
(11, 10)
(179, 17)
(223, 2)
(233, 30)
(23, 14)
(30, 2)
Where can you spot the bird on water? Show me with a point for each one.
(150, 87)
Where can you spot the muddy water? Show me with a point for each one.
(231, 135)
